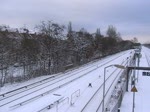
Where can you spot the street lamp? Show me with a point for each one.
(116, 65)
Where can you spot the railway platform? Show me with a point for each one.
(140, 103)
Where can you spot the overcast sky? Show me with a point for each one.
(130, 17)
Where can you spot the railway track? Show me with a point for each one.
(148, 57)
(39, 83)
(96, 91)
(97, 94)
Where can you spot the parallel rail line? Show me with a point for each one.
(54, 83)
(28, 87)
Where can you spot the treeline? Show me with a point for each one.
(24, 55)
(147, 45)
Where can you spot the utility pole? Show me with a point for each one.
(133, 90)
(139, 56)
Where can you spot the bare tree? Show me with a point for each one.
(51, 32)
(98, 32)
(111, 31)
(134, 40)
(69, 28)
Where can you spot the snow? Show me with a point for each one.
(143, 94)
(72, 86)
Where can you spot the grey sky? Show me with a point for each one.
(131, 17)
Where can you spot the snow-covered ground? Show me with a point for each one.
(142, 97)
(69, 91)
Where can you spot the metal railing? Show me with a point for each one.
(74, 94)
